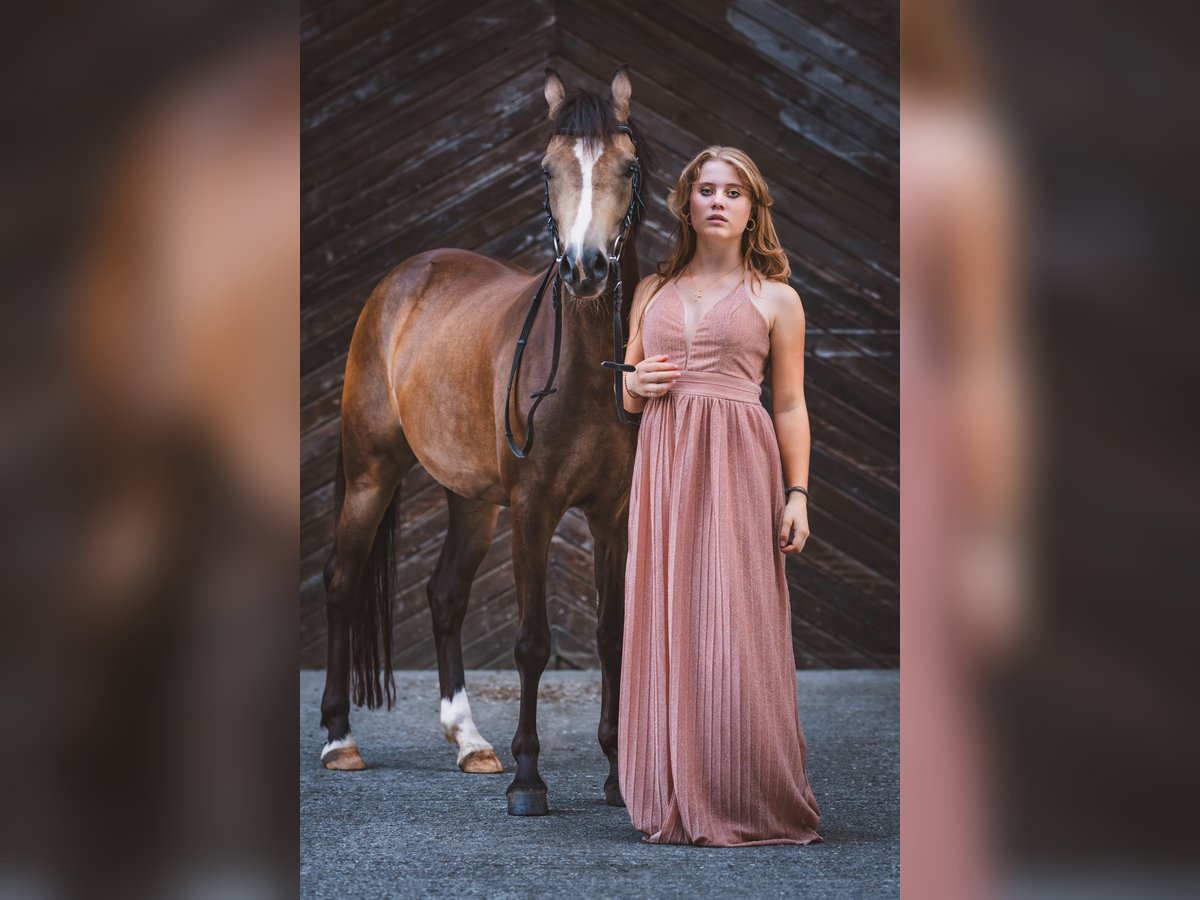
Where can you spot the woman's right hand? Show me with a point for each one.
(654, 376)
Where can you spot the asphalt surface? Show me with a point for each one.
(413, 825)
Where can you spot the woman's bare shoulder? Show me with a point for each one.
(775, 292)
(653, 285)
(775, 299)
(647, 290)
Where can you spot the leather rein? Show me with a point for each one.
(636, 209)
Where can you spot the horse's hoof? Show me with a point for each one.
(342, 756)
(528, 803)
(481, 762)
(344, 759)
(612, 795)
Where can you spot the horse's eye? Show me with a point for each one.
(546, 173)
(631, 170)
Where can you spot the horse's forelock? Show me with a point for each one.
(588, 115)
(585, 115)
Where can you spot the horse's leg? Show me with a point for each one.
(367, 497)
(534, 519)
(610, 542)
(472, 524)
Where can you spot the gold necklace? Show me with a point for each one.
(714, 281)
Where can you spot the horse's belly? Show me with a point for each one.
(457, 461)
(468, 484)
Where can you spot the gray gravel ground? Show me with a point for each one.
(414, 826)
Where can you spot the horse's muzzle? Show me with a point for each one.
(584, 272)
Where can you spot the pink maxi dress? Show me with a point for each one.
(710, 748)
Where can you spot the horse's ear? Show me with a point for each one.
(555, 92)
(621, 91)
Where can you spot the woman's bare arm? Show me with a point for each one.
(790, 411)
(653, 377)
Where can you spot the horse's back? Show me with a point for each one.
(454, 275)
(439, 295)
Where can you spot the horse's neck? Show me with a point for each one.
(588, 329)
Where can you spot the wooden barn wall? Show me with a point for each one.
(422, 126)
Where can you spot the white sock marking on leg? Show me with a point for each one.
(339, 744)
(460, 727)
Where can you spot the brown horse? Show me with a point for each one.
(426, 382)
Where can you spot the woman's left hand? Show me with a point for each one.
(795, 516)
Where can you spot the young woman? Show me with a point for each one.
(710, 750)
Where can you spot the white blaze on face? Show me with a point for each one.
(583, 215)
(460, 727)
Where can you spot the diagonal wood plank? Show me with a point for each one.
(422, 127)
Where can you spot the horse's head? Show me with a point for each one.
(590, 165)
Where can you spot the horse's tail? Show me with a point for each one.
(372, 680)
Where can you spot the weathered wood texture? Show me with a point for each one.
(422, 126)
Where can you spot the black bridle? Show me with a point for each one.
(636, 209)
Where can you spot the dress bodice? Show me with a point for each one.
(731, 339)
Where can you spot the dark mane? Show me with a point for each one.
(587, 115)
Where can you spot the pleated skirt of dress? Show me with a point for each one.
(710, 748)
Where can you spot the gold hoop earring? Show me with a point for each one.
(750, 225)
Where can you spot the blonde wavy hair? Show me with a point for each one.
(761, 253)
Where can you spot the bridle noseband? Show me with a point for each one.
(635, 211)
